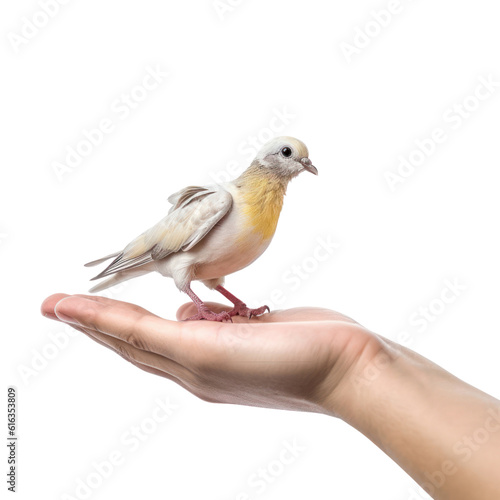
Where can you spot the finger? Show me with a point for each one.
(305, 314)
(146, 368)
(108, 301)
(48, 305)
(146, 358)
(179, 382)
(155, 371)
(120, 320)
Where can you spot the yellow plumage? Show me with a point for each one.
(262, 200)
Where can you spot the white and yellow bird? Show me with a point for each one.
(216, 230)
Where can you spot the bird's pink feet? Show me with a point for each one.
(241, 309)
(205, 313)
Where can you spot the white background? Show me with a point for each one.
(227, 77)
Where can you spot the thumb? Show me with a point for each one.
(189, 309)
(49, 304)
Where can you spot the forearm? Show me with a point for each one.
(441, 431)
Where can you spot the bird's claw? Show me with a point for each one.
(207, 314)
(243, 310)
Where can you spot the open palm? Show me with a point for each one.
(293, 359)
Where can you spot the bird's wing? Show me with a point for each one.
(195, 211)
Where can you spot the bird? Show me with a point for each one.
(215, 230)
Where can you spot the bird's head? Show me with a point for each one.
(285, 157)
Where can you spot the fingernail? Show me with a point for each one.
(65, 318)
(62, 316)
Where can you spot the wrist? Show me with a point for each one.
(365, 370)
(424, 418)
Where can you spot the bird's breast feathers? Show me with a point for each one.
(260, 202)
(240, 237)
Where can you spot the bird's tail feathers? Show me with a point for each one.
(119, 278)
(101, 260)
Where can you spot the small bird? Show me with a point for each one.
(212, 231)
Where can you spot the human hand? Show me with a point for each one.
(295, 359)
(314, 360)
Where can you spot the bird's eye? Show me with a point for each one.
(286, 152)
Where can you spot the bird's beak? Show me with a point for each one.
(307, 164)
